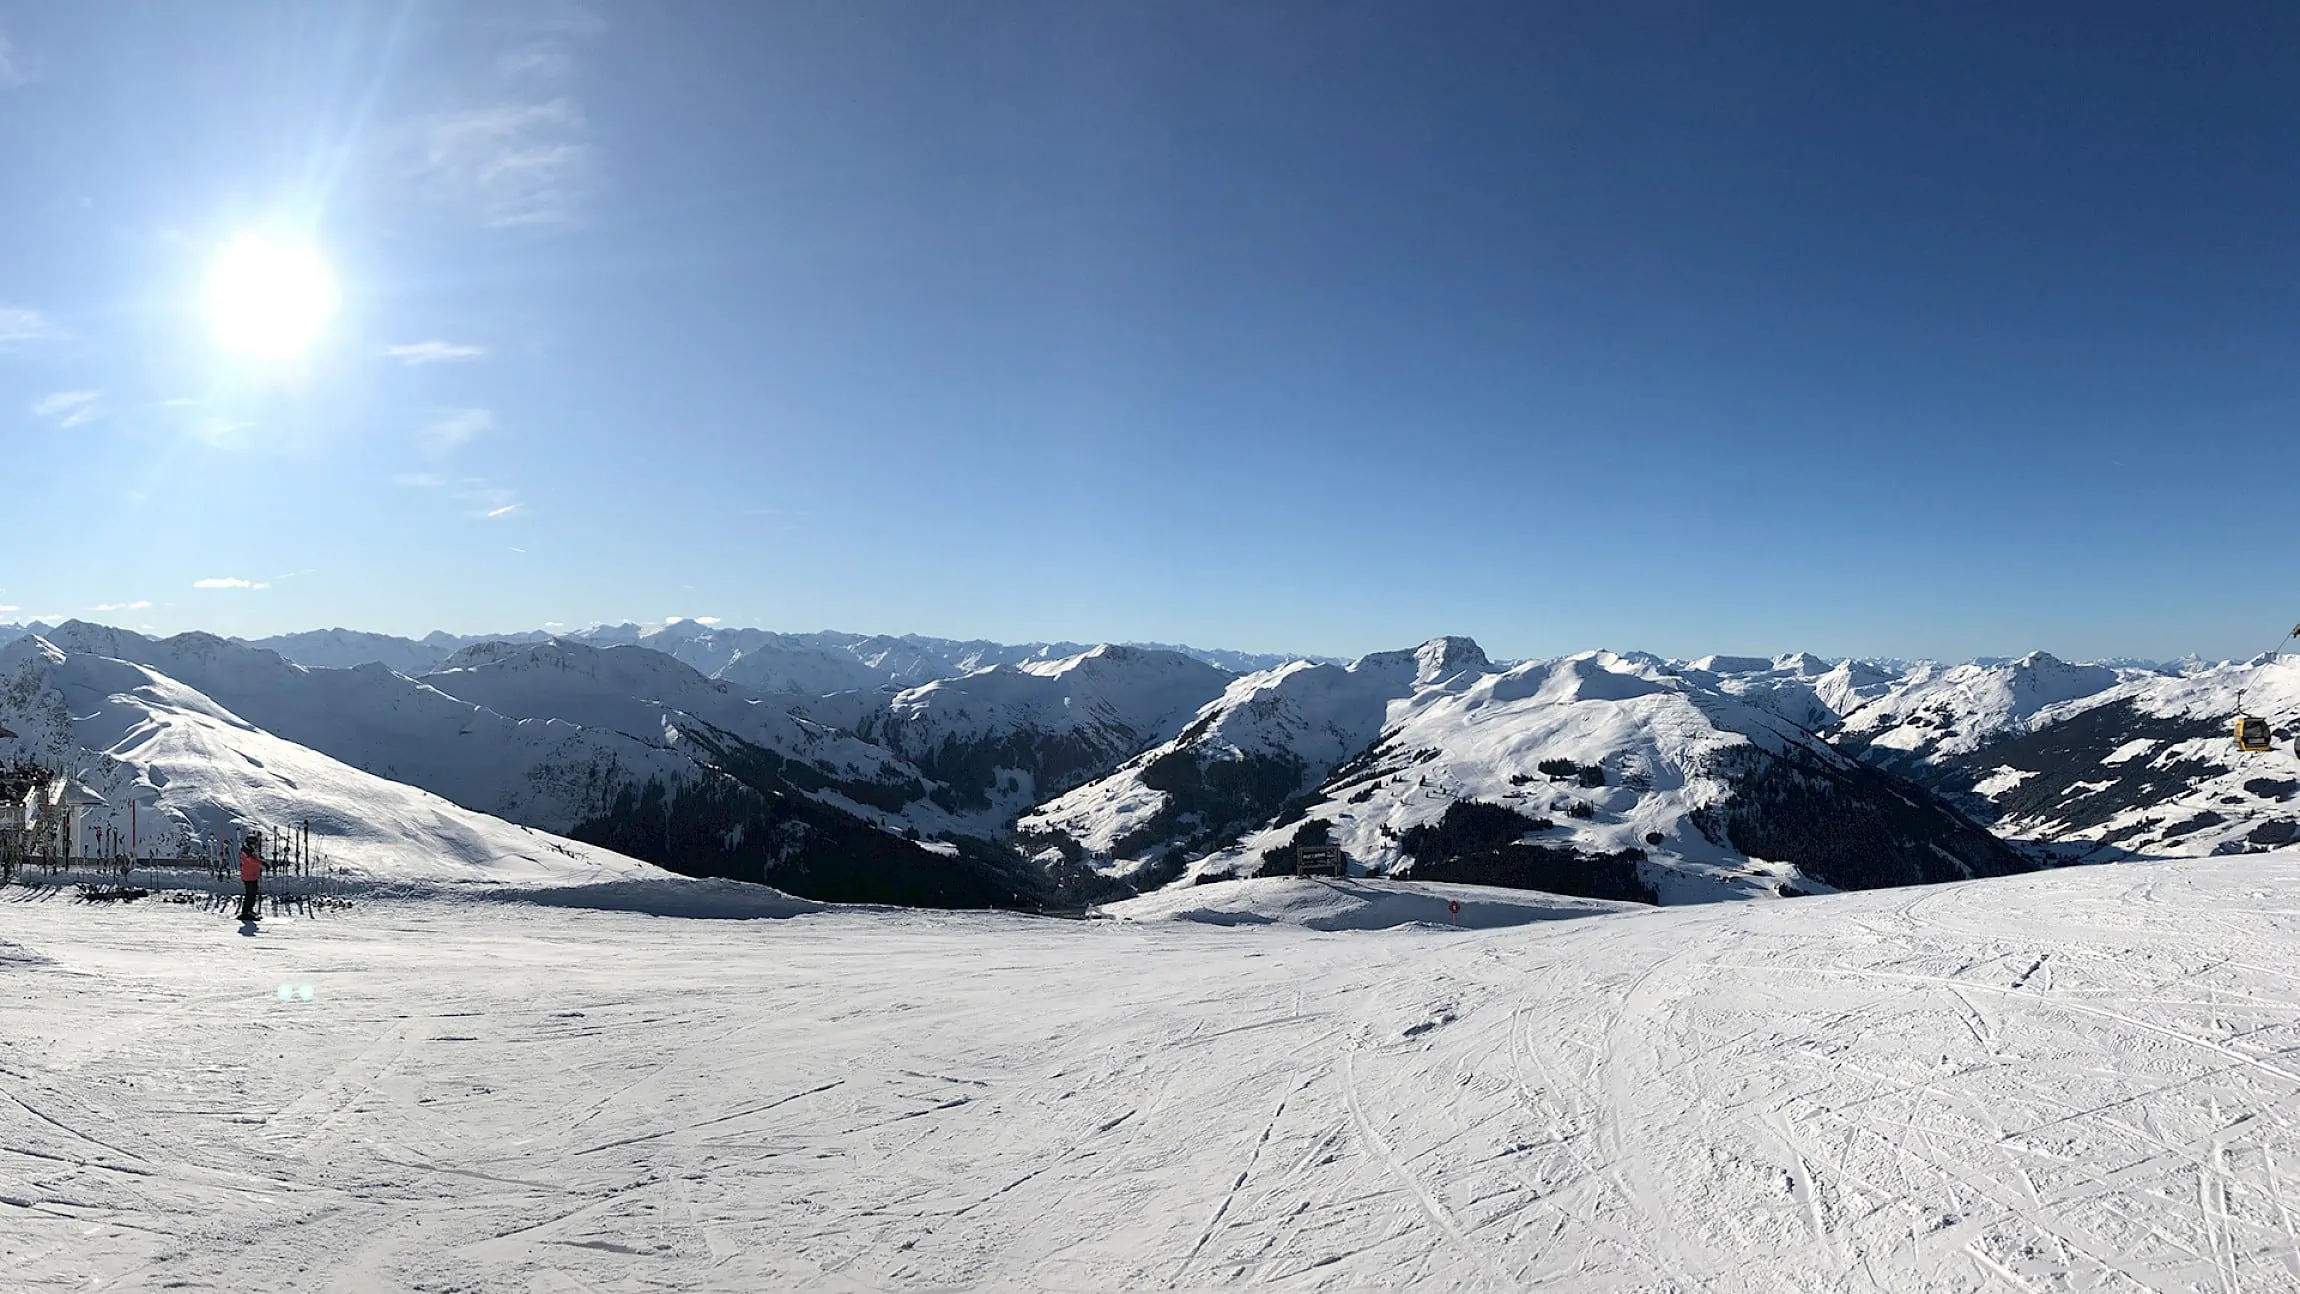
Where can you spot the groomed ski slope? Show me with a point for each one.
(2075, 1080)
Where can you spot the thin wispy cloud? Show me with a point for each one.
(229, 582)
(516, 164)
(546, 62)
(518, 150)
(67, 408)
(435, 352)
(21, 324)
(490, 502)
(481, 499)
(138, 605)
(452, 432)
(11, 71)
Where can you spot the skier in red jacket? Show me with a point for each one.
(251, 871)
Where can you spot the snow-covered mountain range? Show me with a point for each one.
(741, 790)
(1003, 738)
(1600, 775)
(346, 648)
(2097, 762)
(761, 660)
(922, 770)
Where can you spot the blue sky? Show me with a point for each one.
(1910, 330)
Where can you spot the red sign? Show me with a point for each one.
(1453, 908)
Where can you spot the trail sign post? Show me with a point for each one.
(1320, 860)
(1453, 909)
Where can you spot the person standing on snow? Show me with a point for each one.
(251, 871)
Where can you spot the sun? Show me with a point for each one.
(269, 296)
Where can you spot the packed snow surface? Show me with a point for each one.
(1319, 903)
(2071, 1080)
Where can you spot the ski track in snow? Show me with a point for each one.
(2081, 1080)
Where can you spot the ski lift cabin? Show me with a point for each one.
(2252, 733)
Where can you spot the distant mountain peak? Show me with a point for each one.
(1443, 658)
(1717, 663)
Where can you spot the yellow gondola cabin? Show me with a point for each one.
(2252, 734)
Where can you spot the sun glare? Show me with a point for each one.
(269, 296)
